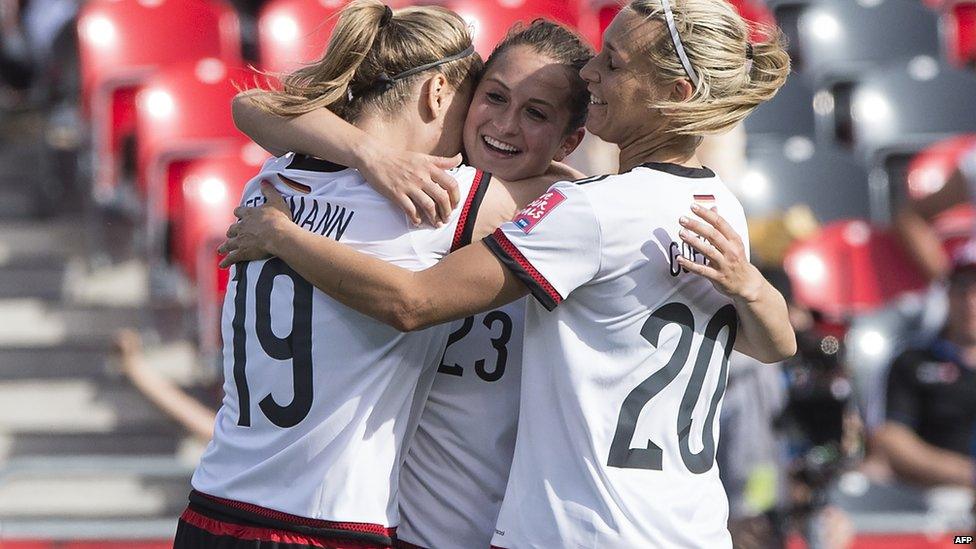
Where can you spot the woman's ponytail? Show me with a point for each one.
(325, 83)
(369, 44)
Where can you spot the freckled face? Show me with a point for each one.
(517, 122)
(620, 81)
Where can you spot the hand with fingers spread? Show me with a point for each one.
(254, 234)
(728, 267)
(417, 183)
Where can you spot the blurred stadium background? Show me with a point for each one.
(120, 165)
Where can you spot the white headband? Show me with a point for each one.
(676, 40)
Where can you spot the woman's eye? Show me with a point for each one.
(495, 97)
(536, 114)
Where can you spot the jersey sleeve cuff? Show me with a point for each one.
(512, 258)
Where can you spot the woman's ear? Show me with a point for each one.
(437, 95)
(682, 90)
(569, 144)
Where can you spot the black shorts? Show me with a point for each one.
(207, 523)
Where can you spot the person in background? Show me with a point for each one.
(930, 413)
(913, 222)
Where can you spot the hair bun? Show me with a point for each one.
(387, 16)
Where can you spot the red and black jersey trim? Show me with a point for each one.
(247, 514)
(469, 211)
(541, 289)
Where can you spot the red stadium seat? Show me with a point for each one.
(491, 19)
(756, 13)
(211, 188)
(850, 267)
(184, 113)
(123, 42)
(595, 17)
(928, 172)
(292, 32)
(959, 31)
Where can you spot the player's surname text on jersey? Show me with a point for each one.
(317, 216)
(676, 249)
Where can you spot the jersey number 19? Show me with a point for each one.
(297, 346)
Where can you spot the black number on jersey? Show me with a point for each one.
(296, 346)
(500, 344)
(650, 457)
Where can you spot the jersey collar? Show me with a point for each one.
(679, 170)
(312, 164)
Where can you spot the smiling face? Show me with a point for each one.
(621, 83)
(519, 116)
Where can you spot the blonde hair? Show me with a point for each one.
(716, 40)
(368, 45)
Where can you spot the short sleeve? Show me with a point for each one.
(456, 233)
(553, 245)
(901, 395)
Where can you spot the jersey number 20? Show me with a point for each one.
(621, 454)
(297, 346)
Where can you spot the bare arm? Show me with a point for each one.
(416, 182)
(913, 223)
(918, 461)
(403, 299)
(765, 332)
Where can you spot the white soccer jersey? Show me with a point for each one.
(452, 483)
(623, 380)
(318, 397)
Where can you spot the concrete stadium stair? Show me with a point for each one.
(83, 455)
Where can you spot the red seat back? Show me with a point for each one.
(756, 13)
(850, 267)
(293, 32)
(491, 19)
(959, 31)
(123, 42)
(211, 188)
(184, 113)
(928, 172)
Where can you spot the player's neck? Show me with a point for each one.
(659, 148)
(397, 133)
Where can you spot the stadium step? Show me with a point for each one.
(131, 487)
(59, 237)
(32, 280)
(34, 321)
(119, 442)
(80, 405)
(77, 359)
(83, 454)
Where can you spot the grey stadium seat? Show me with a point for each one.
(847, 36)
(797, 170)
